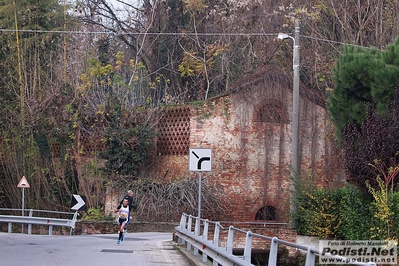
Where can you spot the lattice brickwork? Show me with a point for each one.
(90, 138)
(174, 132)
(55, 149)
(90, 144)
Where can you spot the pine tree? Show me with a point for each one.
(362, 77)
(364, 107)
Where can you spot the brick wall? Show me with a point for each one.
(249, 132)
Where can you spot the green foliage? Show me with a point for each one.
(96, 214)
(393, 204)
(107, 108)
(317, 211)
(372, 149)
(345, 213)
(126, 149)
(353, 75)
(364, 107)
(355, 214)
(381, 211)
(362, 76)
(321, 213)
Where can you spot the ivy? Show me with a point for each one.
(126, 147)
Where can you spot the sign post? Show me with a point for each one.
(23, 183)
(200, 160)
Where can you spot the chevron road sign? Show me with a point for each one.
(78, 202)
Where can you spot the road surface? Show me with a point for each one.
(141, 249)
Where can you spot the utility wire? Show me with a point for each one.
(176, 34)
(144, 33)
(330, 41)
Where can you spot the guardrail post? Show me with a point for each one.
(50, 230)
(230, 240)
(30, 225)
(183, 220)
(74, 218)
(189, 226)
(248, 247)
(10, 227)
(310, 257)
(216, 234)
(273, 252)
(197, 232)
(205, 237)
(216, 240)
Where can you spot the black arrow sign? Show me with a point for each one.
(201, 160)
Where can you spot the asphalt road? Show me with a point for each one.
(142, 249)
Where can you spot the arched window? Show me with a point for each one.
(268, 213)
(271, 111)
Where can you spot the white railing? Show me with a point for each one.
(31, 219)
(224, 254)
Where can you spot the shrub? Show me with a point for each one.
(355, 213)
(317, 209)
(96, 214)
(344, 213)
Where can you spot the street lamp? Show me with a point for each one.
(283, 36)
(295, 107)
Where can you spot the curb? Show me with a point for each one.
(189, 254)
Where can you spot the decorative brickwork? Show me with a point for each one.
(55, 149)
(90, 142)
(174, 132)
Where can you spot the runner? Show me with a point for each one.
(129, 197)
(124, 212)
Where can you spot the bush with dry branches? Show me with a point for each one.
(157, 201)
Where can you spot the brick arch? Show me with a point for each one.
(268, 213)
(271, 111)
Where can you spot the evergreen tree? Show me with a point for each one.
(364, 108)
(362, 77)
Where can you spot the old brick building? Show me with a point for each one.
(249, 132)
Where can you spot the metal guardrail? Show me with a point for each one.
(224, 255)
(30, 220)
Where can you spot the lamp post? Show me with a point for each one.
(295, 105)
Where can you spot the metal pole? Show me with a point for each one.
(295, 118)
(295, 101)
(23, 204)
(199, 194)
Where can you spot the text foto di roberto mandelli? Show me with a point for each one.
(358, 250)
